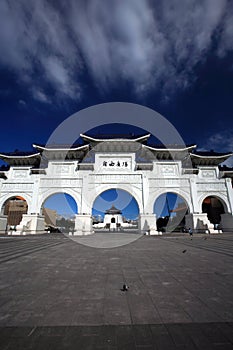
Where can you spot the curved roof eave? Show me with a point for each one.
(93, 139)
(170, 149)
(19, 157)
(224, 156)
(60, 149)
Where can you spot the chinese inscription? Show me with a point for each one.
(117, 164)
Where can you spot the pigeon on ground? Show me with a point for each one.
(125, 287)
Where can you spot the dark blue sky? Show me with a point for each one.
(174, 57)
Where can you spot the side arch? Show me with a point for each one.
(13, 208)
(45, 195)
(171, 209)
(184, 195)
(8, 196)
(221, 197)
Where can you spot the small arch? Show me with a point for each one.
(214, 207)
(14, 208)
(222, 198)
(170, 209)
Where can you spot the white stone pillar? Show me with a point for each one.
(193, 192)
(3, 223)
(31, 224)
(226, 222)
(83, 225)
(85, 205)
(230, 194)
(147, 224)
(199, 223)
(144, 194)
(33, 209)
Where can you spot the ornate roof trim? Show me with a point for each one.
(202, 160)
(19, 157)
(79, 148)
(21, 160)
(227, 155)
(169, 149)
(137, 139)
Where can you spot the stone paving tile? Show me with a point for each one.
(57, 294)
(165, 337)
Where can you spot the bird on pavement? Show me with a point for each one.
(125, 287)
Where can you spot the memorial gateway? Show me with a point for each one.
(86, 170)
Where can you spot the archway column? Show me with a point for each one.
(230, 194)
(31, 224)
(34, 208)
(199, 222)
(226, 222)
(83, 225)
(193, 197)
(147, 224)
(3, 223)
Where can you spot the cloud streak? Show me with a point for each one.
(220, 140)
(147, 44)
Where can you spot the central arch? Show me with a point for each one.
(115, 209)
(131, 189)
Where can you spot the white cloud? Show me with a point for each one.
(220, 141)
(149, 44)
(58, 74)
(226, 36)
(40, 95)
(22, 104)
(34, 41)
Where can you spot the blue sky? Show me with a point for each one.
(166, 202)
(63, 203)
(59, 57)
(120, 199)
(172, 56)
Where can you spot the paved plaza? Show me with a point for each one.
(56, 293)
